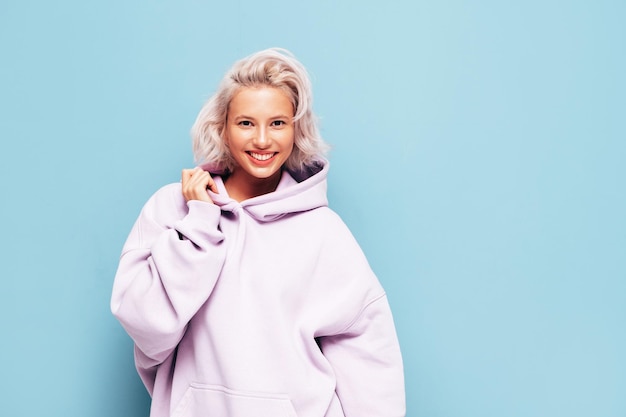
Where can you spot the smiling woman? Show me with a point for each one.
(244, 294)
(260, 136)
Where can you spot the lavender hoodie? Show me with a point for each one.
(264, 308)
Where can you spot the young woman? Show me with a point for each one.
(245, 295)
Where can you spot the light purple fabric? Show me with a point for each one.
(266, 307)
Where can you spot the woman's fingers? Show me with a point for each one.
(211, 185)
(195, 183)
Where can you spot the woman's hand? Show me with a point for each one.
(195, 183)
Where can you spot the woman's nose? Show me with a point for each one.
(261, 139)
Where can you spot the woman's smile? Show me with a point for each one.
(261, 157)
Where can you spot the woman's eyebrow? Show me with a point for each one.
(242, 116)
(278, 116)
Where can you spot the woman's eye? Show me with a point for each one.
(245, 123)
(278, 123)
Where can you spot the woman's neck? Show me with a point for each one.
(243, 187)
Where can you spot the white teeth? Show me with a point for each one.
(261, 157)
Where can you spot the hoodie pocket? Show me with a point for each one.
(218, 401)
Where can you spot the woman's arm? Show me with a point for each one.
(168, 269)
(367, 363)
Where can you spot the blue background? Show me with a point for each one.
(478, 158)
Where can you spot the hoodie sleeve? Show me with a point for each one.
(168, 268)
(367, 362)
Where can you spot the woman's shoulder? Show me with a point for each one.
(173, 189)
(324, 217)
(168, 194)
(328, 225)
(167, 202)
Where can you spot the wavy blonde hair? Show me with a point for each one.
(274, 67)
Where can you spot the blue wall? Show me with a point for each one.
(478, 157)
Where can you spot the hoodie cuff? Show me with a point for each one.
(201, 224)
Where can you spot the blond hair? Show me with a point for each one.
(274, 67)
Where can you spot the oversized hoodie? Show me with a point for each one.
(260, 308)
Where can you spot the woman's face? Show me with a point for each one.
(260, 132)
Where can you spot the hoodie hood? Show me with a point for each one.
(296, 192)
